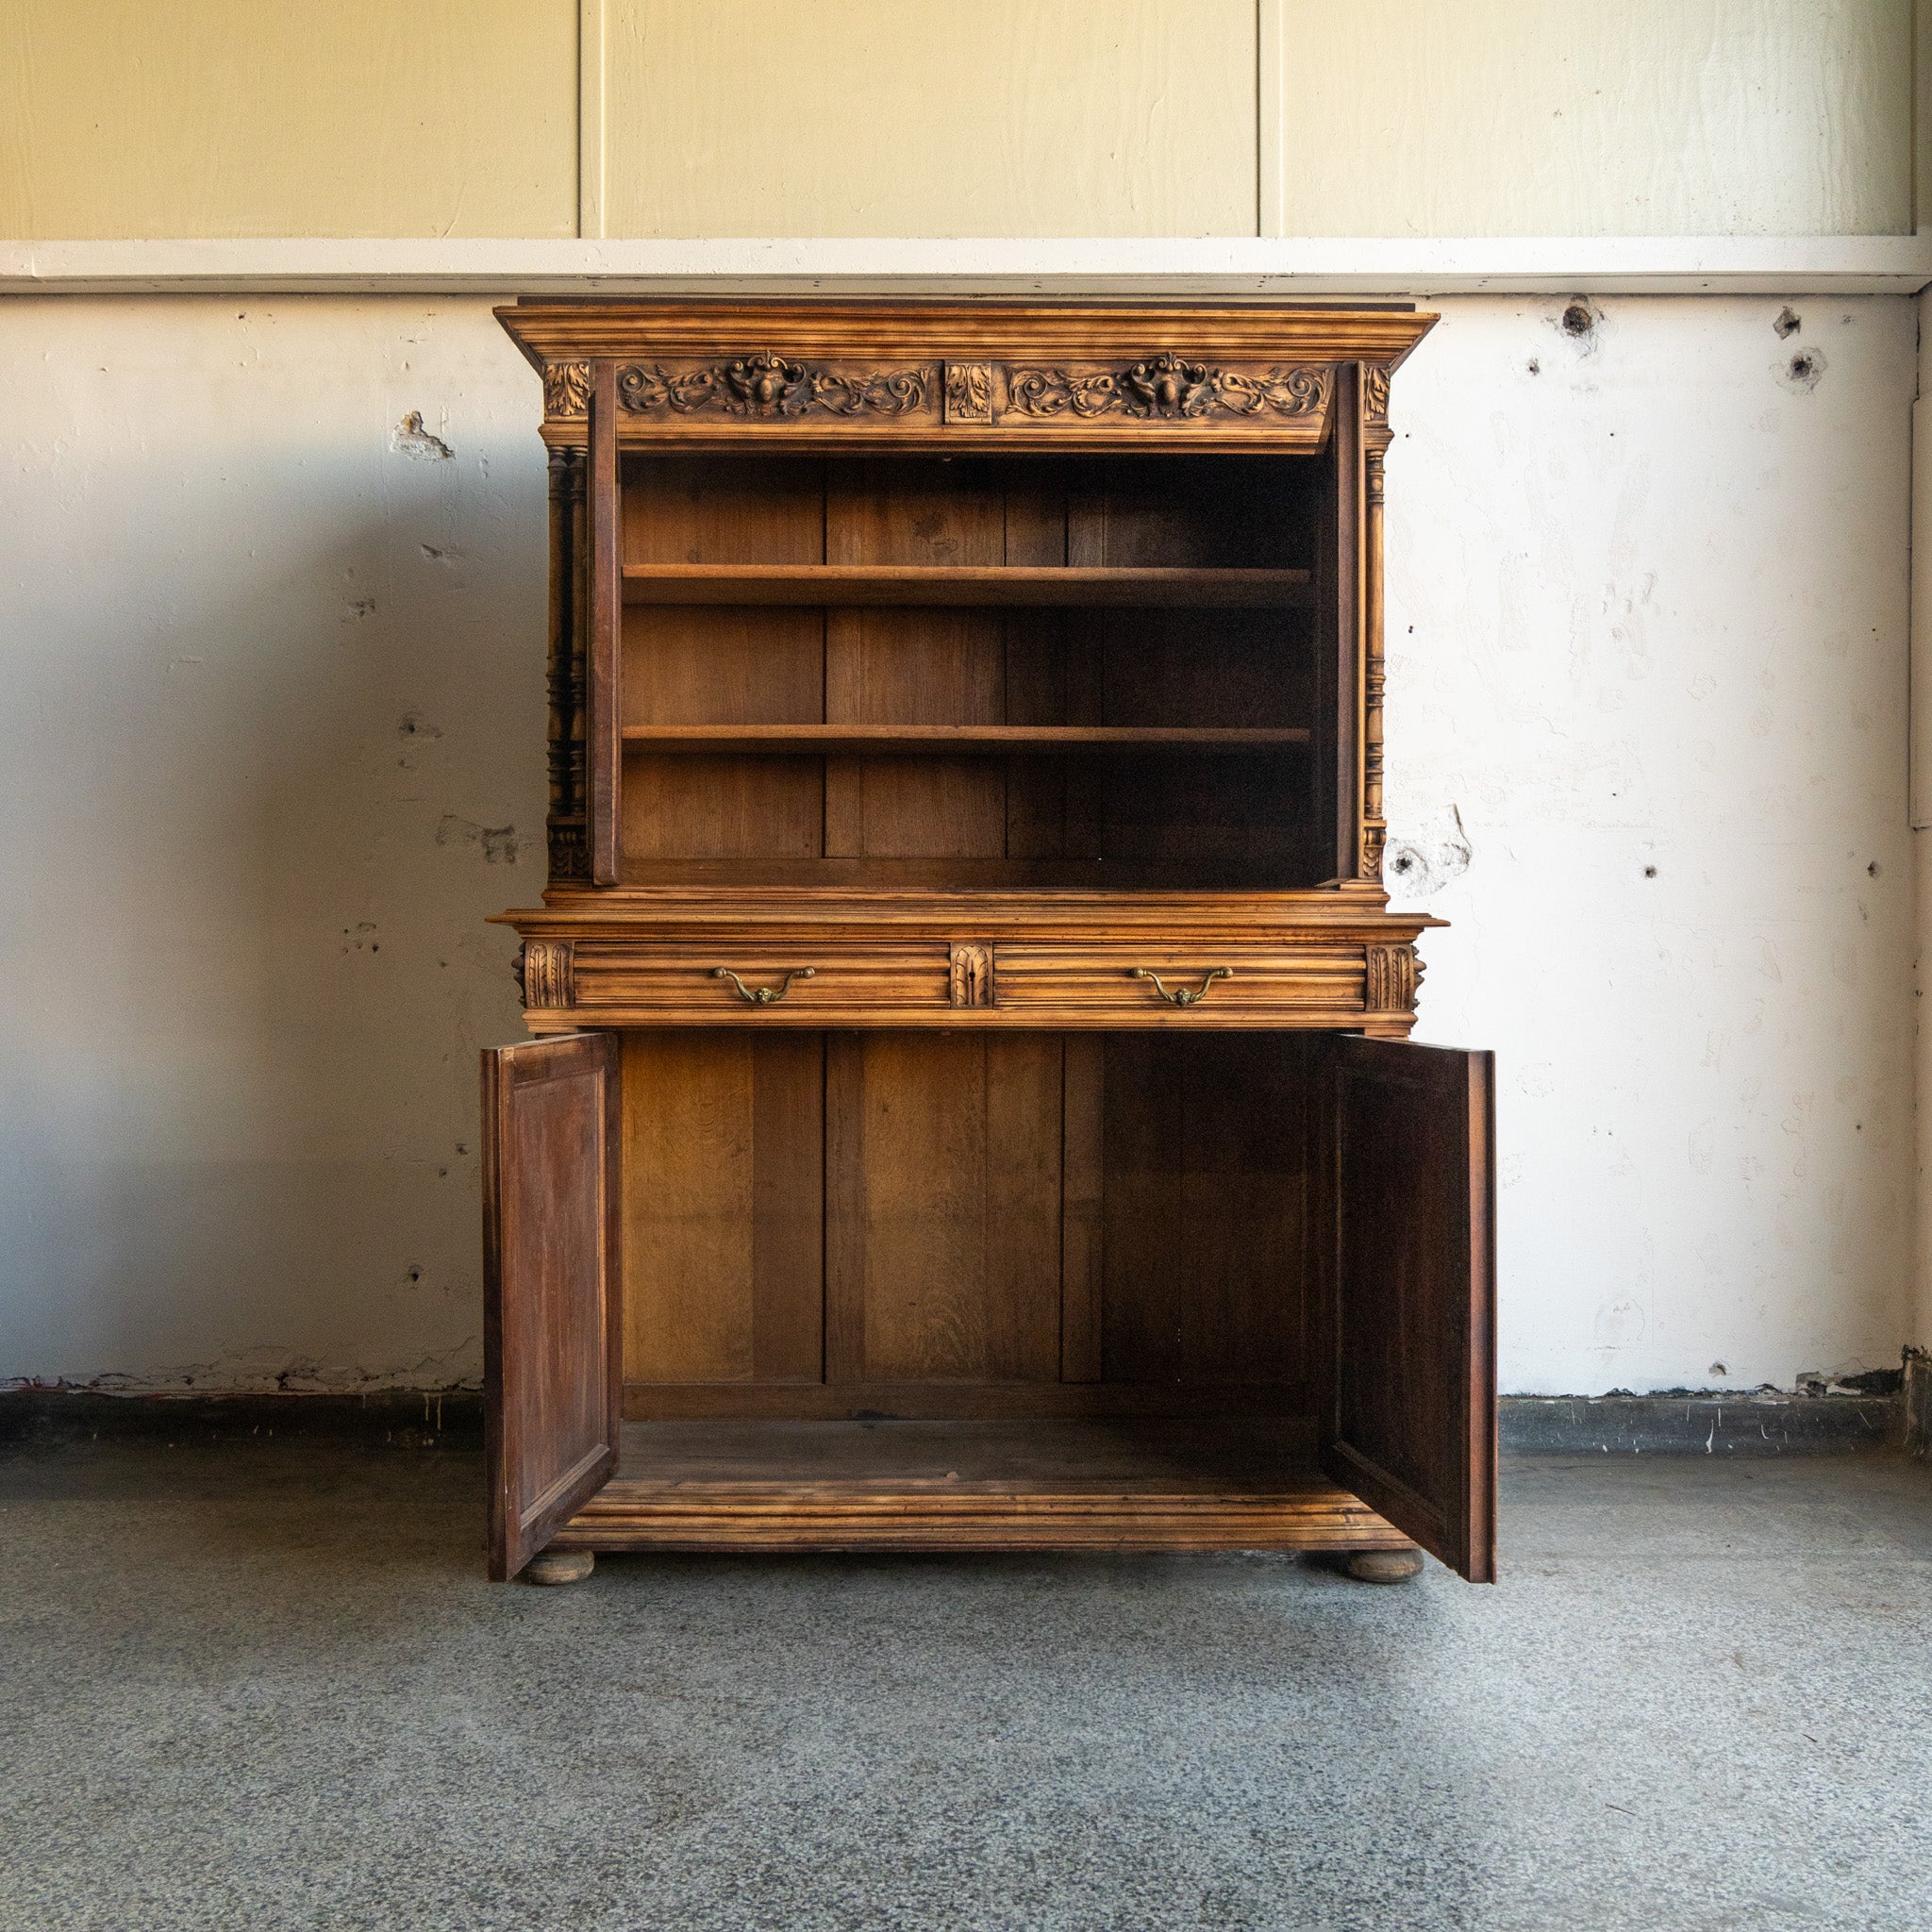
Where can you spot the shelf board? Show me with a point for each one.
(946, 740)
(901, 584)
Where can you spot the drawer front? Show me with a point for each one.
(1203, 985)
(687, 985)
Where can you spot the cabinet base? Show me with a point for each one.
(973, 1485)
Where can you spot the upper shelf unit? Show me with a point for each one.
(966, 584)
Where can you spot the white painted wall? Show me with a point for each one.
(270, 680)
(267, 679)
(1658, 592)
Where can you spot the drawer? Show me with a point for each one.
(1201, 985)
(686, 984)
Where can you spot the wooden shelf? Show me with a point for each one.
(867, 583)
(946, 740)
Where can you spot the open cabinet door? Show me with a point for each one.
(1406, 1279)
(552, 1339)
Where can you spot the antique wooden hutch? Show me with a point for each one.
(970, 1104)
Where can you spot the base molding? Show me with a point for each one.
(1529, 1425)
(386, 1418)
(1735, 1426)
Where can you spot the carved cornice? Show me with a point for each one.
(1167, 387)
(767, 385)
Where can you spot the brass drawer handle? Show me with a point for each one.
(763, 995)
(1182, 995)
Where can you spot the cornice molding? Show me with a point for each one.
(1229, 267)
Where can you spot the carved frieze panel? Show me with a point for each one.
(1393, 976)
(764, 387)
(1168, 387)
(764, 384)
(972, 977)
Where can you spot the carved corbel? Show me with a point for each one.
(973, 975)
(546, 973)
(1394, 974)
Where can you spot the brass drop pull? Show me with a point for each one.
(763, 995)
(1183, 996)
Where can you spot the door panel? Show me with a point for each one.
(1405, 1274)
(552, 1334)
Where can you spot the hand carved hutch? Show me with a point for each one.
(970, 1104)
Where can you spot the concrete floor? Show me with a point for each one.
(267, 1687)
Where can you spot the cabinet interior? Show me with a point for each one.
(1032, 1229)
(1165, 714)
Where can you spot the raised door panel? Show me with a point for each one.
(1404, 1268)
(552, 1322)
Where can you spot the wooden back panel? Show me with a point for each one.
(904, 1212)
(1221, 820)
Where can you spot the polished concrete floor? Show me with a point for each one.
(267, 1687)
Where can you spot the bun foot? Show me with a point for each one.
(1385, 1566)
(560, 1566)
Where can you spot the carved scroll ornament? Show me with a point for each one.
(1166, 387)
(769, 385)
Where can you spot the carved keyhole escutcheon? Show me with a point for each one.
(972, 977)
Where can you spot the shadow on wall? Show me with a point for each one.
(279, 762)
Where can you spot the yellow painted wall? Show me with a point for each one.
(122, 118)
(930, 116)
(1544, 117)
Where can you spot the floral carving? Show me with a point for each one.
(766, 384)
(1375, 393)
(969, 393)
(1167, 385)
(566, 389)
